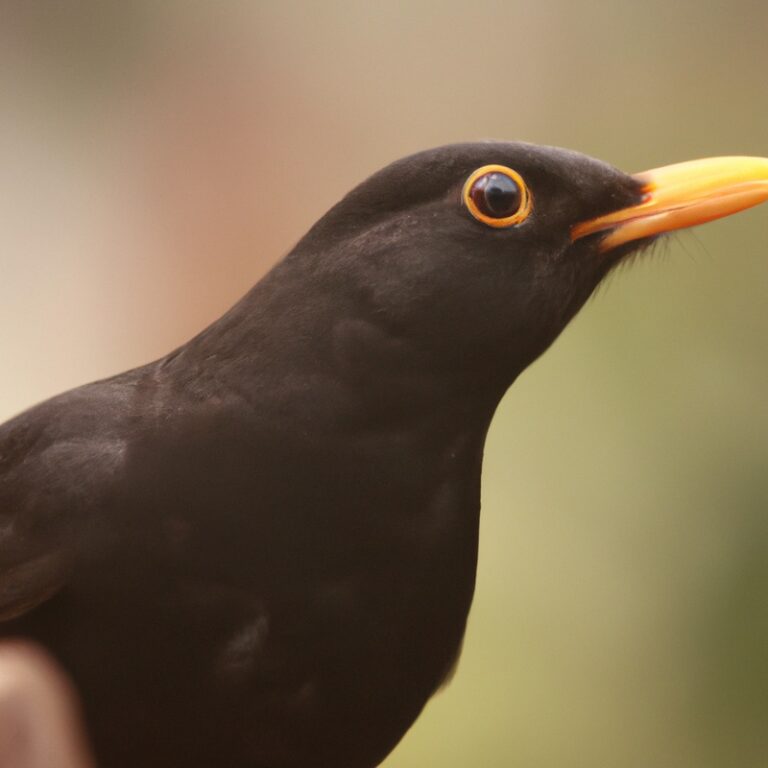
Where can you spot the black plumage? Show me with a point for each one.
(260, 550)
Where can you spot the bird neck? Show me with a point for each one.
(315, 352)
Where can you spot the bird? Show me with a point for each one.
(259, 551)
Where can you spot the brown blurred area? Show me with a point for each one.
(40, 724)
(158, 157)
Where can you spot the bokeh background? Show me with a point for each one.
(157, 158)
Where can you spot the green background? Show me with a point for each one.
(158, 157)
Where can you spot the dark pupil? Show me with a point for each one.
(496, 195)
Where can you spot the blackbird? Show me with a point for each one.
(260, 550)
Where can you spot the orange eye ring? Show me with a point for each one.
(474, 190)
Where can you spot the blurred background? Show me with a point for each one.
(157, 158)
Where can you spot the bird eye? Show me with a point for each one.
(497, 196)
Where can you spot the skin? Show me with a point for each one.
(39, 716)
(260, 551)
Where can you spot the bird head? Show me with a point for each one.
(475, 256)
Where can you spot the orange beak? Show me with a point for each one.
(682, 195)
